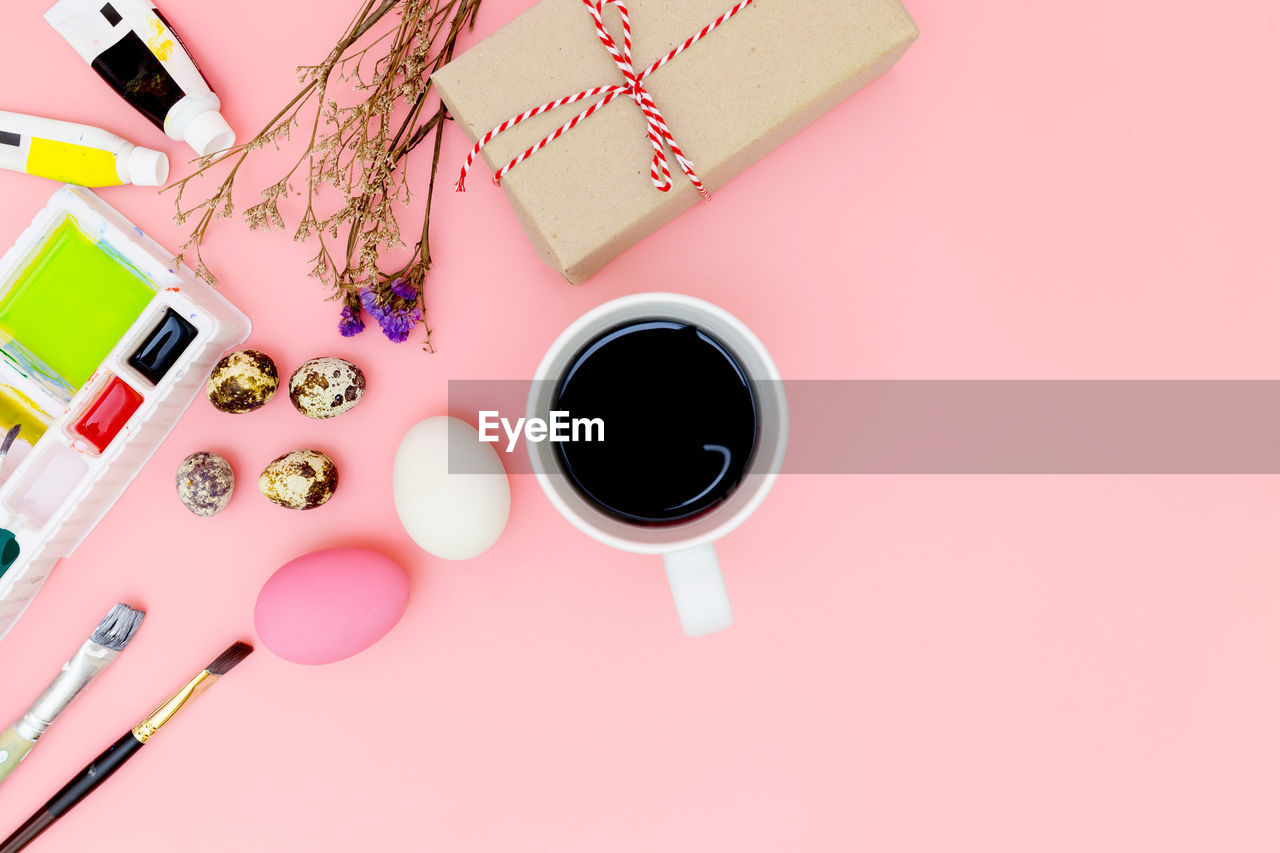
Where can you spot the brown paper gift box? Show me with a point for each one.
(729, 99)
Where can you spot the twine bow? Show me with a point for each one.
(659, 134)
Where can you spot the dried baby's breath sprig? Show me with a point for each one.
(358, 152)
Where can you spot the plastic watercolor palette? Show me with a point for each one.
(104, 343)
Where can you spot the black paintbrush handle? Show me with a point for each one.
(80, 786)
(98, 771)
(28, 832)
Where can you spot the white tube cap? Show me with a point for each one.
(209, 133)
(147, 168)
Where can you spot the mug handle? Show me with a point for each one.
(698, 589)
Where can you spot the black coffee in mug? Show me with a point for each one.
(680, 421)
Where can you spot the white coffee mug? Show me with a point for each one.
(686, 547)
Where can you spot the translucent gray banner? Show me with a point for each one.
(985, 426)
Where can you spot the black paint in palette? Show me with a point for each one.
(680, 421)
(163, 347)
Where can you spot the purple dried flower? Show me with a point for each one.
(369, 300)
(404, 289)
(350, 323)
(397, 325)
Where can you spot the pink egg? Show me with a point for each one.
(329, 605)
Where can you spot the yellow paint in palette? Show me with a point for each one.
(72, 164)
(74, 301)
(17, 409)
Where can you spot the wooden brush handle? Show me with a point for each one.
(13, 748)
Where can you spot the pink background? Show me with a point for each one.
(920, 663)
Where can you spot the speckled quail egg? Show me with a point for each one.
(243, 381)
(326, 387)
(300, 479)
(205, 482)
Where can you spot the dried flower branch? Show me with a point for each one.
(359, 151)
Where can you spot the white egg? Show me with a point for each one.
(455, 513)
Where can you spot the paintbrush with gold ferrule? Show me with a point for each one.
(102, 767)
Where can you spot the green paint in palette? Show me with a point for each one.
(73, 303)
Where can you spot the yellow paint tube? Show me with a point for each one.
(76, 153)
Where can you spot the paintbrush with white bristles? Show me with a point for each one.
(98, 652)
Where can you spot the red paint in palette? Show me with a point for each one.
(108, 414)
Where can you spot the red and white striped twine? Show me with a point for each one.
(659, 134)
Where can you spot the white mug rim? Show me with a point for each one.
(763, 482)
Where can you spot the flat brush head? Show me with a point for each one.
(227, 661)
(118, 627)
